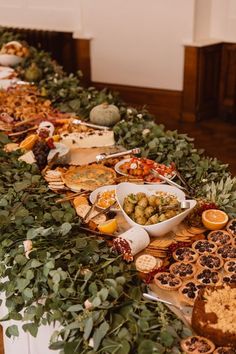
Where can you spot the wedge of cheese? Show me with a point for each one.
(93, 138)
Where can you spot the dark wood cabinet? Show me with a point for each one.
(201, 82)
(227, 93)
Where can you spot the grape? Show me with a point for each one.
(41, 151)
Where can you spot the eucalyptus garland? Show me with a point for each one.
(70, 277)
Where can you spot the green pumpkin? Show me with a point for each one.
(105, 114)
(33, 73)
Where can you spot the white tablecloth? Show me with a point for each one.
(25, 343)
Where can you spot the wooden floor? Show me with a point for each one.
(217, 137)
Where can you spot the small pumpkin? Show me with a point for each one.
(33, 73)
(105, 114)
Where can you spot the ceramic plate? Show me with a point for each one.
(118, 170)
(94, 194)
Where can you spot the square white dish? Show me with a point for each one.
(161, 228)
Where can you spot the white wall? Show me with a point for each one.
(223, 20)
(139, 42)
(202, 17)
(135, 42)
(61, 15)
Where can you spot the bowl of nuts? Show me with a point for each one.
(12, 53)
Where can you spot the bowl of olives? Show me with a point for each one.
(154, 207)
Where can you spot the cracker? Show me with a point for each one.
(196, 230)
(145, 263)
(53, 173)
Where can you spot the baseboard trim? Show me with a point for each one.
(165, 104)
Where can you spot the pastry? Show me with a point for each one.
(197, 345)
(231, 227)
(204, 246)
(167, 281)
(210, 261)
(214, 314)
(88, 177)
(189, 291)
(227, 252)
(185, 254)
(230, 266)
(183, 270)
(229, 279)
(219, 237)
(208, 277)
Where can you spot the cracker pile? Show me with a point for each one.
(182, 233)
(55, 183)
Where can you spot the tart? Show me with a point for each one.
(210, 261)
(224, 350)
(208, 277)
(183, 270)
(231, 227)
(204, 246)
(197, 345)
(185, 254)
(219, 237)
(214, 314)
(189, 291)
(167, 281)
(227, 252)
(230, 266)
(88, 177)
(229, 279)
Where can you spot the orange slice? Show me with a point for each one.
(108, 227)
(214, 219)
(29, 142)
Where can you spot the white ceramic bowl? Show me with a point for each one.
(160, 229)
(10, 59)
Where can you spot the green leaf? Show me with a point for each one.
(12, 331)
(32, 328)
(20, 259)
(88, 327)
(35, 263)
(4, 138)
(99, 334)
(65, 228)
(22, 212)
(166, 338)
(57, 215)
(20, 186)
(75, 308)
(22, 283)
(28, 293)
(3, 202)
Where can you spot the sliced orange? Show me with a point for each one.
(214, 219)
(29, 142)
(108, 227)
